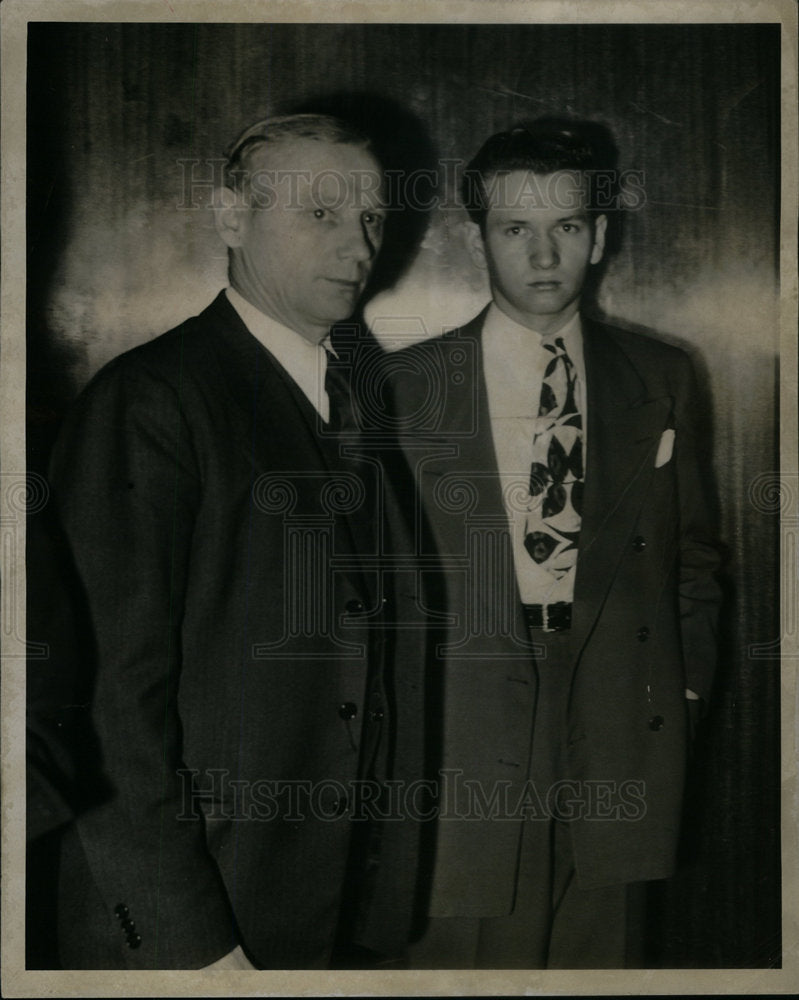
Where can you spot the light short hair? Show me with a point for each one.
(279, 128)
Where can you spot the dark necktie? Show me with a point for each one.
(344, 444)
(337, 387)
(552, 529)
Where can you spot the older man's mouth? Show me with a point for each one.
(345, 284)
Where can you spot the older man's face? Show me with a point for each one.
(303, 254)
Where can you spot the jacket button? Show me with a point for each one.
(656, 723)
(134, 940)
(121, 910)
(348, 710)
(353, 606)
(639, 543)
(643, 633)
(377, 715)
(340, 806)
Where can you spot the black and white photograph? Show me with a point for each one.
(400, 498)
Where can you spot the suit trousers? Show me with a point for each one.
(554, 924)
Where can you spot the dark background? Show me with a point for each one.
(116, 257)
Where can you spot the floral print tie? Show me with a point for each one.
(552, 527)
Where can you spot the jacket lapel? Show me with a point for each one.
(261, 386)
(282, 422)
(623, 430)
(459, 468)
(462, 494)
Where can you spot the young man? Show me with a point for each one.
(560, 473)
(227, 519)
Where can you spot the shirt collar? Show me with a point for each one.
(305, 362)
(514, 363)
(499, 323)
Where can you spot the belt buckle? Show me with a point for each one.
(560, 609)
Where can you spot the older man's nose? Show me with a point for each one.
(355, 242)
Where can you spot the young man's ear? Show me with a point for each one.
(474, 241)
(231, 215)
(600, 229)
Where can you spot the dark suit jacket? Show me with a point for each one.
(644, 615)
(231, 562)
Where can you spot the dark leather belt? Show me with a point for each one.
(549, 617)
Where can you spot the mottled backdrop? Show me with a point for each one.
(117, 255)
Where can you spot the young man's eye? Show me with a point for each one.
(570, 227)
(319, 213)
(513, 230)
(372, 219)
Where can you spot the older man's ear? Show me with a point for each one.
(231, 214)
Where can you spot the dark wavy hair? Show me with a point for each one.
(543, 146)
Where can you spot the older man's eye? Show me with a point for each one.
(319, 213)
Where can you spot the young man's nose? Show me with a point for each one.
(543, 252)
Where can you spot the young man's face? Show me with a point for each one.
(538, 243)
(303, 254)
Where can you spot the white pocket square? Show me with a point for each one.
(665, 448)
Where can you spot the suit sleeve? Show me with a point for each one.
(140, 888)
(700, 554)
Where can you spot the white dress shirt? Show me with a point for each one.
(514, 362)
(305, 362)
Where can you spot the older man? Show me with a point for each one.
(230, 523)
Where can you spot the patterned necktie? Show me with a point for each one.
(552, 528)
